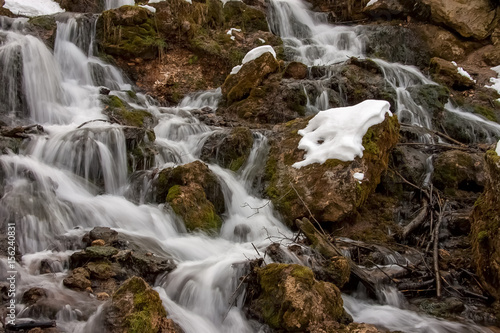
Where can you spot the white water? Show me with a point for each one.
(72, 179)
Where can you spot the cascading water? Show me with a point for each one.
(73, 178)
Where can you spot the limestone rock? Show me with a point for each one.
(229, 150)
(475, 19)
(329, 190)
(136, 307)
(238, 86)
(32, 295)
(485, 235)
(290, 299)
(106, 234)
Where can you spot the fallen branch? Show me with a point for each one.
(91, 121)
(417, 221)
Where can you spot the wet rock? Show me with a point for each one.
(92, 253)
(295, 70)
(431, 97)
(122, 113)
(78, 279)
(445, 308)
(76, 6)
(238, 86)
(141, 150)
(129, 32)
(195, 173)
(33, 295)
(101, 270)
(329, 190)
(106, 234)
(229, 150)
(470, 19)
(485, 237)
(290, 299)
(445, 72)
(386, 9)
(342, 10)
(44, 27)
(458, 170)
(135, 306)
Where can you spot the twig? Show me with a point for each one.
(256, 250)
(410, 183)
(231, 300)
(91, 121)
(417, 221)
(436, 249)
(308, 210)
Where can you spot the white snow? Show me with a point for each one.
(230, 31)
(495, 81)
(150, 8)
(463, 72)
(359, 176)
(262, 41)
(371, 2)
(254, 54)
(497, 150)
(33, 7)
(338, 133)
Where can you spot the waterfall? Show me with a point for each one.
(73, 177)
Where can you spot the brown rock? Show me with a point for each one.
(459, 170)
(238, 86)
(102, 296)
(98, 242)
(78, 279)
(485, 235)
(328, 191)
(445, 72)
(475, 19)
(295, 70)
(32, 296)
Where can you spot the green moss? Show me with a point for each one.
(482, 237)
(119, 111)
(47, 22)
(100, 251)
(173, 193)
(486, 112)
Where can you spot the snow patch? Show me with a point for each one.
(150, 8)
(359, 176)
(230, 31)
(262, 41)
(495, 81)
(338, 133)
(254, 54)
(33, 7)
(371, 2)
(497, 150)
(463, 72)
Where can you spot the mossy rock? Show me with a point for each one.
(458, 170)
(47, 22)
(329, 190)
(92, 253)
(446, 73)
(249, 19)
(485, 230)
(129, 32)
(101, 270)
(191, 204)
(431, 97)
(122, 113)
(136, 307)
(290, 299)
(238, 86)
(229, 150)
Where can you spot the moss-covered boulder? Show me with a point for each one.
(295, 70)
(43, 27)
(129, 32)
(238, 15)
(238, 86)
(291, 300)
(459, 170)
(446, 73)
(328, 191)
(194, 193)
(77, 6)
(485, 231)
(136, 307)
(78, 279)
(120, 112)
(228, 149)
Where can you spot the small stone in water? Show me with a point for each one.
(98, 242)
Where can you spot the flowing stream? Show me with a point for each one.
(73, 178)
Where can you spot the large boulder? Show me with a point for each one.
(485, 233)
(129, 32)
(194, 193)
(475, 19)
(77, 6)
(291, 300)
(238, 86)
(136, 307)
(328, 191)
(448, 74)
